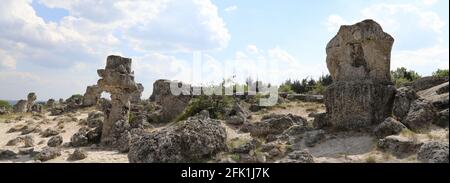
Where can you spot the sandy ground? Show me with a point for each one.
(337, 147)
(70, 122)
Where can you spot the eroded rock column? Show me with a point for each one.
(358, 59)
(117, 79)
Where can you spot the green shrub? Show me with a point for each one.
(319, 89)
(441, 73)
(5, 104)
(285, 88)
(215, 105)
(402, 76)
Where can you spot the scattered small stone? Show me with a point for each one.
(78, 154)
(55, 141)
(48, 153)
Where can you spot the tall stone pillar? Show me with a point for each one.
(117, 79)
(358, 59)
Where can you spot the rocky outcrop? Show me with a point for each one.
(274, 124)
(118, 79)
(399, 146)
(390, 126)
(20, 106)
(420, 116)
(48, 153)
(427, 82)
(91, 96)
(7, 154)
(136, 96)
(404, 97)
(171, 105)
(55, 141)
(50, 103)
(433, 152)
(358, 104)
(31, 98)
(197, 138)
(358, 59)
(78, 154)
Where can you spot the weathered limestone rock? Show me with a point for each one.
(399, 146)
(31, 98)
(78, 154)
(91, 96)
(420, 115)
(404, 97)
(50, 103)
(136, 96)
(48, 153)
(117, 79)
(20, 106)
(171, 105)
(55, 141)
(433, 152)
(358, 59)
(196, 138)
(390, 126)
(38, 108)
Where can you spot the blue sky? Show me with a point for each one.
(54, 47)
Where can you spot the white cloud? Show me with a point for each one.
(430, 2)
(252, 49)
(231, 8)
(422, 60)
(77, 44)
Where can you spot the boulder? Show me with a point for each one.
(80, 138)
(404, 97)
(171, 105)
(95, 119)
(28, 141)
(49, 132)
(420, 116)
(358, 59)
(78, 154)
(91, 96)
(31, 98)
(442, 119)
(192, 140)
(389, 126)
(20, 106)
(433, 152)
(314, 137)
(274, 124)
(428, 82)
(48, 153)
(399, 146)
(55, 141)
(136, 95)
(7, 154)
(50, 103)
(246, 147)
(438, 96)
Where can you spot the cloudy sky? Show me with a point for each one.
(53, 47)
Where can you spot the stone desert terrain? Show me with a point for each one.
(362, 118)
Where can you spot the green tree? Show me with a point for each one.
(441, 73)
(402, 76)
(5, 104)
